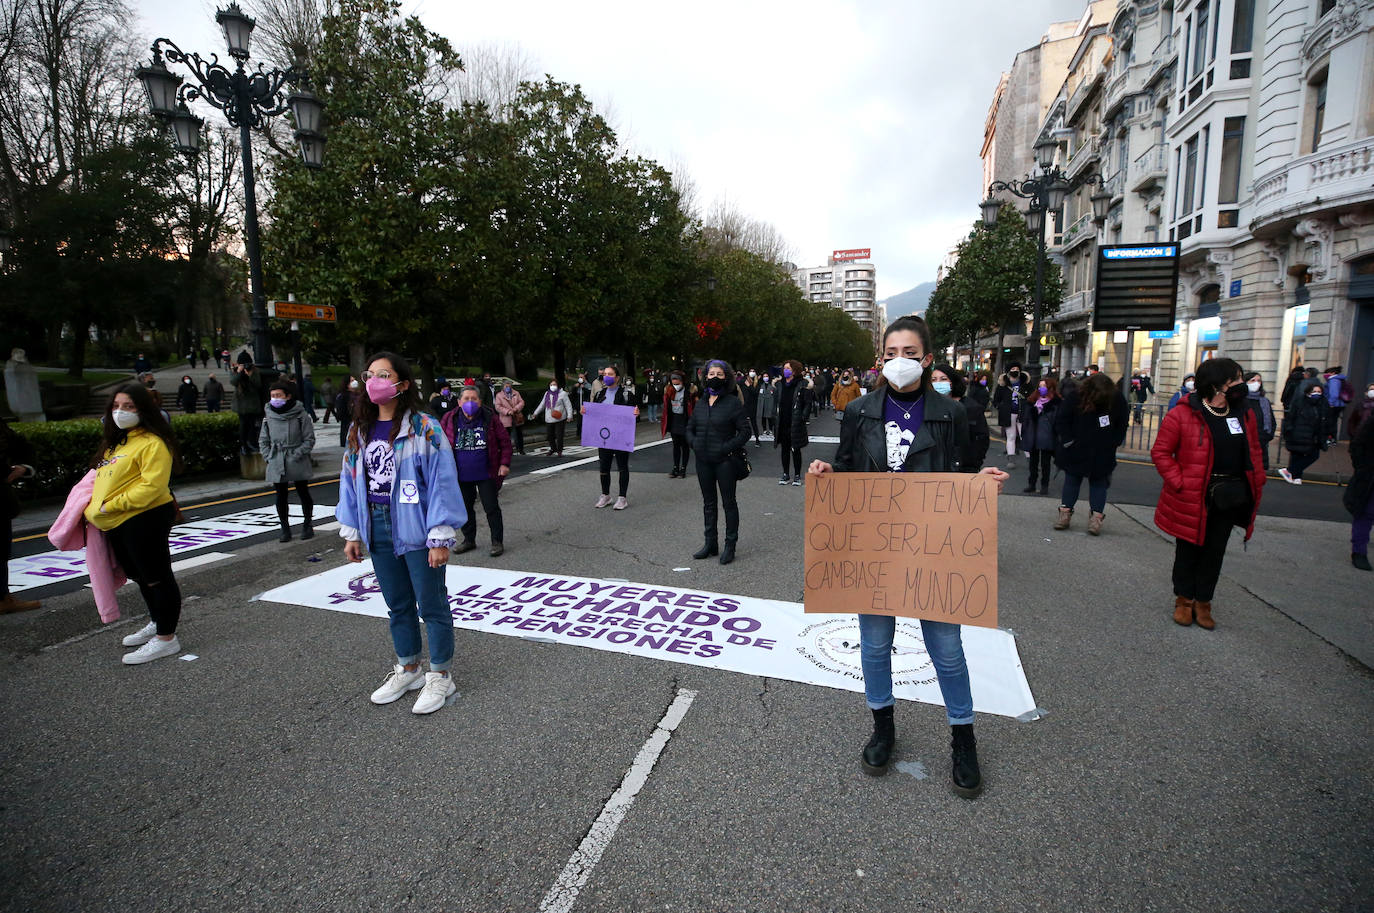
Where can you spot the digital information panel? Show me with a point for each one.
(1137, 287)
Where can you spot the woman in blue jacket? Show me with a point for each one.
(399, 499)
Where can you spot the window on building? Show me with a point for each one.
(1199, 41)
(1232, 142)
(1216, 17)
(1318, 109)
(1242, 38)
(1325, 7)
(1202, 166)
(1189, 175)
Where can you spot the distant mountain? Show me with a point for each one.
(912, 301)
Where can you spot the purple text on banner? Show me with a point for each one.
(612, 427)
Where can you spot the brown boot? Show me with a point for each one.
(1095, 523)
(1183, 610)
(1204, 615)
(10, 604)
(1065, 515)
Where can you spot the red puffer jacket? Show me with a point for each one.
(1183, 456)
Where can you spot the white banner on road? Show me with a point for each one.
(54, 566)
(754, 636)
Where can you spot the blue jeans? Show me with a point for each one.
(405, 581)
(1097, 492)
(946, 651)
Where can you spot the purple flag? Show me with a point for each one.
(612, 427)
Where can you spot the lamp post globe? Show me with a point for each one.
(161, 86)
(990, 207)
(186, 130)
(238, 29)
(1102, 202)
(1044, 153)
(1035, 220)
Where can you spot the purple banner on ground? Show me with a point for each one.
(612, 427)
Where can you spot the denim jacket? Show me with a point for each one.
(424, 457)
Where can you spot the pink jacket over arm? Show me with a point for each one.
(70, 532)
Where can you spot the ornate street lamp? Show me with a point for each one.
(1047, 190)
(248, 100)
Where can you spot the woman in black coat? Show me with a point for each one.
(1359, 494)
(1306, 427)
(949, 381)
(1089, 426)
(1038, 411)
(794, 408)
(718, 427)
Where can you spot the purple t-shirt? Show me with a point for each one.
(901, 421)
(379, 459)
(470, 448)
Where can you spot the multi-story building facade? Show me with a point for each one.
(1243, 131)
(849, 285)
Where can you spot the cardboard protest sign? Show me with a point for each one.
(914, 545)
(612, 427)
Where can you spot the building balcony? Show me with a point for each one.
(1081, 158)
(1081, 94)
(1116, 90)
(1080, 230)
(1150, 168)
(1328, 179)
(1074, 305)
(1162, 58)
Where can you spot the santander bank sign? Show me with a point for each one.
(859, 253)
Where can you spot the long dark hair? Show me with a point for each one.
(957, 385)
(1095, 394)
(909, 323)
(149, 418)
(365, 411)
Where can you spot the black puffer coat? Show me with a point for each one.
(802, 398)
(1361, 487)
(715, 431)
(1305, 425)
(1085, 446)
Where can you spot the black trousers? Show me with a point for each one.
(307, 502)
(1040, 459)
(249, 425)
(140, 546)
(517, 436)
(718, 476)
(212, 405)
(1198, 567)
(491, 505)
(682, 451)
(622, 462)
(784, 438)
(556, 431)
(978, 452)
(754, 427)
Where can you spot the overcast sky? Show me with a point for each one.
(845, 124)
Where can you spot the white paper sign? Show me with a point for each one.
(741, 634)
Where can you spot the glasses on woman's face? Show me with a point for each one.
(380, 375)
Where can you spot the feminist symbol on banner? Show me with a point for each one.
(359, 587)
(605, 434)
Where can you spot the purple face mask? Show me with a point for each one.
(787, 373)
(470, 407)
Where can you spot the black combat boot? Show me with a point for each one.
(307, 528)
(966, 777)
(878, 751)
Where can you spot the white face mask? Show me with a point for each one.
(902, 372)
(1189, 386)
(553, 387)
(1254, 386)
(125, 420)
(1369, 393)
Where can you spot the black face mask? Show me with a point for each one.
(715, 384)
(1237, 394)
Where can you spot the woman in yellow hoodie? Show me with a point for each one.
(132, 503)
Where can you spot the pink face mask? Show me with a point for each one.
(380, 391)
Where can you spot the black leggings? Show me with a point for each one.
(302, 489)
(1040, 459)
(789, 452)
(682, 453)
(491, 505)
(712, 476)
(141, 548)
(1198, 567)
(556, 431)
(622, 461)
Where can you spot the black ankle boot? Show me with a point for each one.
(966, 777)
(727, 554)
(707, 550)
(307, 530)
(285, 533)
(878, 751)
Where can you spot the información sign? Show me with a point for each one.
(1137, 287)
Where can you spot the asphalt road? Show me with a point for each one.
(1176, 769)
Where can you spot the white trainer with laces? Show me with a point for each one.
(142, 635)
(153, 649)
(621, 503)
(438, 689)
(603, 501)
(397, 682)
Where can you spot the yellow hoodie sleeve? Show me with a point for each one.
(153, 465)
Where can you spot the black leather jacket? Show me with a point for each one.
(938, 447)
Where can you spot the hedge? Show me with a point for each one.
(209, 443)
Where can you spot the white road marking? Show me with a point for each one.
(328, 527)
(561, 466)
(575, 875)
(185, 564)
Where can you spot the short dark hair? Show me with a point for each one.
(284, 386)
(1212, 373)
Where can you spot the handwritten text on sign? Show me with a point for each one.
(916, 545)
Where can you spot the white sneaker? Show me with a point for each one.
(142, 635)
(621, 503)
(153, 649)
(1288, 477)
(603, 501)
(438, 689)
(397, 682)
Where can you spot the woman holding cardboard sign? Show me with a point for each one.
(904, 425)
(616, 393)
